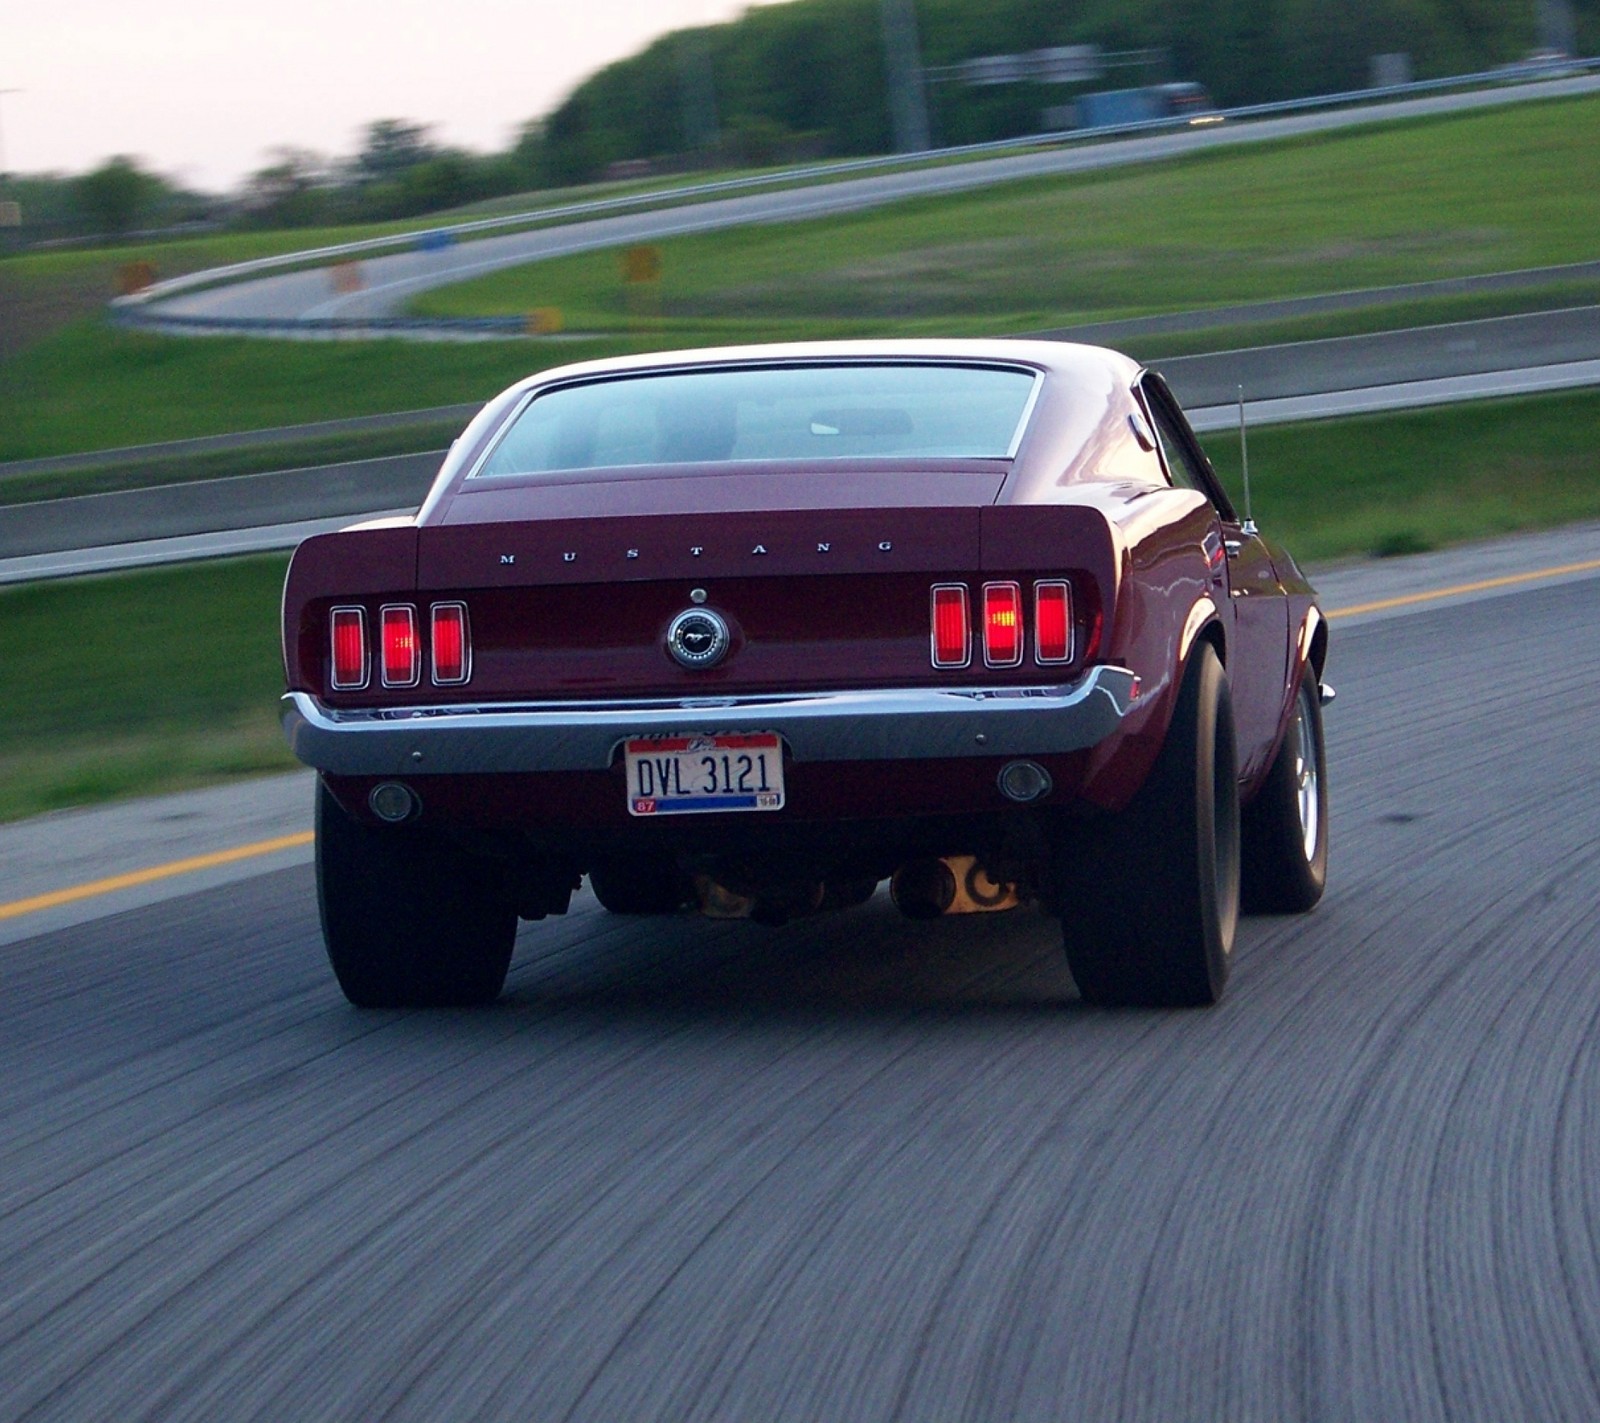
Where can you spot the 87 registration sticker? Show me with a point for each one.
(686, 775)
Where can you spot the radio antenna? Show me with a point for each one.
(1244, 460)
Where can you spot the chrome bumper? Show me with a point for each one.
(910, 724)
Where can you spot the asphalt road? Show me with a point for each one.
(857, 1168)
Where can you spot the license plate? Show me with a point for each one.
(687, 775)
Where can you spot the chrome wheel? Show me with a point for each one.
(1305, 776)
(1285, 828)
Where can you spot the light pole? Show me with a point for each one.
(908, 102)
(1557, 28)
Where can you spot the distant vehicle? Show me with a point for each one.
(1542, 64)
(754, 630)
(1111, 108)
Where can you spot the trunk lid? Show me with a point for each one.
(814, 598)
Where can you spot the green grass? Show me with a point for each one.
(139, 683)
(1363, 320)
(1383, 484)
(144, 682)
(424, 436)
(173, 257)
(1448, 197)
(94, 387)
(1442, 198)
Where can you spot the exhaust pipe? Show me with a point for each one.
(923, 889)
(957, 884)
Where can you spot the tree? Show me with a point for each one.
(292, 191)
(116, 195)
(391, 147)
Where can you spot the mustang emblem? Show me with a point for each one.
(698, 638)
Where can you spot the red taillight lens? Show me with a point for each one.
(347, 631)
(952, 625)
(1002, 624)
(402, 657)
(452, 644)
(1052, 621)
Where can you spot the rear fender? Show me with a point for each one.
(1203, 615)
(1312, 644)
(1166, 605)
(355, 563)
(1311, 655)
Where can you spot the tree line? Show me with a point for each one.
(399, 172)
(807, 79)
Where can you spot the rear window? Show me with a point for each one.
(822, 412)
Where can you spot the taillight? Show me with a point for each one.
(952, 625)
(347, 631)
(402, 656)
(1052, 622)
(451, 641)
(1002, 624)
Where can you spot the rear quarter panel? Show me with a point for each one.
(353, 563)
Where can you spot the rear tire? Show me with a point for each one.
(1149, 899)
(1284, 830)
(409, 919)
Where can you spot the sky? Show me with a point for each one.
(200, 91)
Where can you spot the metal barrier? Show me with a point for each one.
(306, 327)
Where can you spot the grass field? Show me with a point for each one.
(176, 257)
(157, 680)
(1422, 479)
(140, 683)
(142, 472)
(94, 388)
(1478, 193)
(1387, 316)
(1443, 198)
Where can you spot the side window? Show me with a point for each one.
(1186, 466)
(1179, 464)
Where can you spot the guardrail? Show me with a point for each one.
(140, 308)
(329, 327)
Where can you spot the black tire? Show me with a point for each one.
(409, 919)
(1283, 832)
(641, 886)
(1149, 899)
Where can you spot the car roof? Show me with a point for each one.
(1057, 358)
(1078, 428)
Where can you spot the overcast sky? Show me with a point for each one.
(200, 90)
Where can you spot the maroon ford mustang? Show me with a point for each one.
(754, 630)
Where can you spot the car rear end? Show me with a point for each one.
(770, 672)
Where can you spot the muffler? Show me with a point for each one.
(774, 906)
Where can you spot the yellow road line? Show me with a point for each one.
(1509, 580)
(19, 907)
(291, 842)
